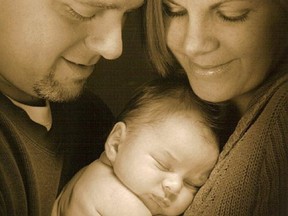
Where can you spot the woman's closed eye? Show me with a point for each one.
(78, 16)
(231, 13)
(172, 10)
(235, 11)
(234, 16)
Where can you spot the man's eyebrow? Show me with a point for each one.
(171, 2)
(99, 4)
(106, 5)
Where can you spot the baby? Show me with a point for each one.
(159, 153)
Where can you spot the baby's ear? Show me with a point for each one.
(115, 138)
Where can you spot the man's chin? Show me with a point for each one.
(59, 93)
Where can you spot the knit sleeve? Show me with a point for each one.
(251, 177)
(273, 176)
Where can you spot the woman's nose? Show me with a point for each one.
(105, 37)
(200, 38)
(172, 184)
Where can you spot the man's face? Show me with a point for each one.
(48, 48)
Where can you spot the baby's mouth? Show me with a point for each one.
(162, 202)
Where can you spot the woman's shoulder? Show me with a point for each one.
(271, 88)
(272, 92)
(272, 103)
(267, 112)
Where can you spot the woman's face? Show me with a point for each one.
(226, 47)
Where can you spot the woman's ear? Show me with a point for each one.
(115, 138)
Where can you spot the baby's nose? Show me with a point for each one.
(172, 185)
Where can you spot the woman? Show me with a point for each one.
(233, 51)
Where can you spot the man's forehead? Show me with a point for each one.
(114, 4)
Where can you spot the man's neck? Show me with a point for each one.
(39, 114)
(17, 94)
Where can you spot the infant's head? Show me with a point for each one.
(164, 147)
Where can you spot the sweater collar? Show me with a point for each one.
(261, 97)
(39, 114)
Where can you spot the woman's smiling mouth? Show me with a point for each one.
(211, 70)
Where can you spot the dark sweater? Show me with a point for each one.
(36, 164)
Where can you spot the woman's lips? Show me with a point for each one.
(211, 70)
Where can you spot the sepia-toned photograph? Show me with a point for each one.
(144, 108)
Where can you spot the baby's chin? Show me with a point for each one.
(156, 207)
(169, 212)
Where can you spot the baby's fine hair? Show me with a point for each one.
(159, 98)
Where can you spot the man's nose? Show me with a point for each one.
(200, 38)
(172, 185)
(105, 37)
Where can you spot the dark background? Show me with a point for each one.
(114, 81)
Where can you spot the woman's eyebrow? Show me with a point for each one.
(224, 1)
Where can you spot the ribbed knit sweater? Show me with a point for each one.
(251, 176)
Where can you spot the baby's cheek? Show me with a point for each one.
(182, 202)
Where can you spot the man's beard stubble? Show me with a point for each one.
(52, 90)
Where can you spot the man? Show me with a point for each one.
(49, 126)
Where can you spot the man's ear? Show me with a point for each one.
(115, 138)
